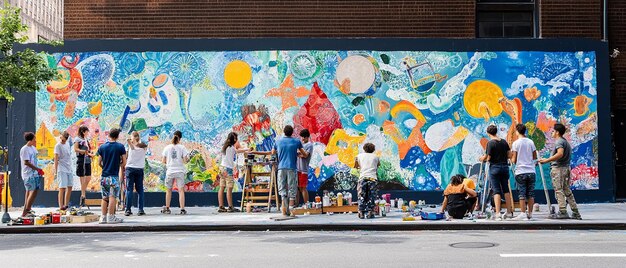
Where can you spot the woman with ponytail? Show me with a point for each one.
(175, 156)
(229, 149)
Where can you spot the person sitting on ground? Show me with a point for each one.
(524, 154)
(458, 198)
(367, 190)
(175, 156)
(113, 162)
(63, 170)
(230, 148)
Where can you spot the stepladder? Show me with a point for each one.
(259, 187)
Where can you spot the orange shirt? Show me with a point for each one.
(454, 189)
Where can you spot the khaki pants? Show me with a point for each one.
(561, 178)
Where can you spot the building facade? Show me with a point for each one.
(44, 19)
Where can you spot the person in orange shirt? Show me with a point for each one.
(459, 197)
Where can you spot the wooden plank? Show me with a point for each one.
(93, 202)
(333, 209)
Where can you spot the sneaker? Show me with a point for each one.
(128, 213)
(183, 212)
(497, 216)
(221, 210)
(113, 220)
(576, 215)
(232, 209)
(560, 215)
(166, 210)
(141, 213)
(508, 216)
(522, 216)
(103, 219)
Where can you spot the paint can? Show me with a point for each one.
(339, 200)
(39, 221)
(393, 203)
(63, 219)
(56, 218)
(536, 207)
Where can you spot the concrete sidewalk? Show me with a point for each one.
(595, 217)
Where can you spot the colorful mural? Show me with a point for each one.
(425, 111)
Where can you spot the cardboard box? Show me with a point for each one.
(83, 219)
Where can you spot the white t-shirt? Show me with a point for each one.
(174, 155)
(28, 153)
(136, 157)
(524, 148)
(369, 165)
(65, 158)
(228, 159)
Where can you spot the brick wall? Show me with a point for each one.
(268, 18)
(571, 18)
(617, 39)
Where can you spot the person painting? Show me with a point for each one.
(113, 162)
(63, 170)
(524, 154)
(560, 171)
(134, 173)
(83, 161)
(458, 198)
(497, 153)
(175, 155)
(230, 148)
(32, 175)
(303, 165)
(368, 163)
(287, 149)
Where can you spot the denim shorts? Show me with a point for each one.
(33, 183)
(526, 185)
(65, 179)
(499, 178)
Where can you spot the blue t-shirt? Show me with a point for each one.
(111, 154)
(287, 148)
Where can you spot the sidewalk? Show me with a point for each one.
(595, 216)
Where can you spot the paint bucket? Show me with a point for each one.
(56, 218)
(39, 221)
(536, 207)
(28, 221)
(63, 219)
(387, 198)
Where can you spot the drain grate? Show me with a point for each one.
(473, 245)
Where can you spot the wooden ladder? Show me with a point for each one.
(259, 193)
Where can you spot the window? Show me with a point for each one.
(505, 19)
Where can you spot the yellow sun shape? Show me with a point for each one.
(481, 99)
(237, 74)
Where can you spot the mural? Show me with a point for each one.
(426, 111)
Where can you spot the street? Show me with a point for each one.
(318, 249)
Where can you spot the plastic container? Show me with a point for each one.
(432, 215)
(339, 200)
(39, 221)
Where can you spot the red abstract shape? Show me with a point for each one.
(318, 115)
(255, 126)
(586, 174)
(75, 83)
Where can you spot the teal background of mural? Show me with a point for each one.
(425, 111)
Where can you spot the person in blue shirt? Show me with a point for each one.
(113, 162)
(287, 149)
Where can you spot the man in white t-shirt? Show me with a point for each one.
(367, 190)
(63, 170)
(175, 156)
(31, 173)
(524, 155)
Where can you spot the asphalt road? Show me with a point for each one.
(317, 249)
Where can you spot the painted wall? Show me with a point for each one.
(426, 111)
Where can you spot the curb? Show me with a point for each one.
(310, 227)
